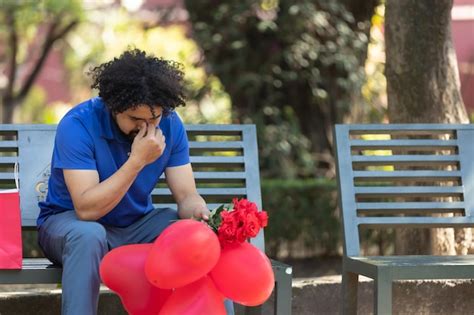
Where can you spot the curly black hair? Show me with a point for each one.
(136, 78)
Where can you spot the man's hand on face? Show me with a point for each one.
(148, 145)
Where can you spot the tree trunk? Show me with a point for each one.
(423, 87)
(7, 110)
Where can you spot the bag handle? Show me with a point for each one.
(16, 175)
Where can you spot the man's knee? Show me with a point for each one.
(88, 233)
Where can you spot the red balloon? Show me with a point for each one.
(244, 274)
(123, 271)
(185, 252)
(197, 298)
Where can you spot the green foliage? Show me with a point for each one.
(284, 151)
(292, 67)
(30, 17)
(301, 211)
(215, 218)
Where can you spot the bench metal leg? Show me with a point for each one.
(283, 292)
(383, 294)
(350, 282)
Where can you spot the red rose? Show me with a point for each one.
(263, 216)
(226, 234)
(227, 230)
(252, 225)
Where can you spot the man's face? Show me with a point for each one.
(131, 120)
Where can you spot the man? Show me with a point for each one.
(108, 155)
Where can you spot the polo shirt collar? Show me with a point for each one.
(108, 127)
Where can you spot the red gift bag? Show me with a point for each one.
(10, 230)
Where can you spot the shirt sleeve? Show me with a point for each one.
(74, 147)
(180, 146)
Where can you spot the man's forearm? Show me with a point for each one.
(188, 205)
(103, 197)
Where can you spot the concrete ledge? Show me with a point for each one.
(310, 296)
(323, 296)
(48, 302)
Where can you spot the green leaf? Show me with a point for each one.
(215, 218)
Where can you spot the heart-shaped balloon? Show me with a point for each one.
(244, 274)
(123, 271)
(184, 252)
(198, 298)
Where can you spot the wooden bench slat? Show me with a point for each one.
(206, 192)
(407, 175)
(215, 128)
(217, 159)
(174, 206)
(216, 175)
(8, 144)
(387, 206)
(429, 127)
(209, 145)
(412, 144)
(36, 261)
(391, 191)
(5, 176)
(402, 132)
(219, 175)
(40, 266)
(8, 159)
(418, 222)
(364, 160)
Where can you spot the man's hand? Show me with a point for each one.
(148, 145)
(201, 213)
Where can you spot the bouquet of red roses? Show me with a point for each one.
(236, 223)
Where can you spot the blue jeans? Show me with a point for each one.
(79, 246)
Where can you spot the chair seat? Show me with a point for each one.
(414, 266)
(38, 263)
(35, 270)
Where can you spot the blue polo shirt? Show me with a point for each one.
(88, 138)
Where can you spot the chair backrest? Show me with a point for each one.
(403, 175)
(224, 159)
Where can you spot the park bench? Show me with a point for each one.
(225, 164)
(402, 176)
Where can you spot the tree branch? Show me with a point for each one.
(13, 43)
(51, 38)
(65, 30)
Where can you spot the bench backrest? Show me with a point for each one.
(402, 175)
(224, 159)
